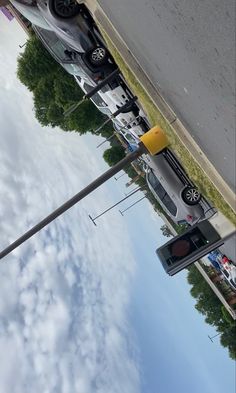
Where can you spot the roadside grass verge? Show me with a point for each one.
(193, 170)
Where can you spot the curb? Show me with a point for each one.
(151, 90)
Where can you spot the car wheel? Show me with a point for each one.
(191, 196)
(66, 8)
(98, 56)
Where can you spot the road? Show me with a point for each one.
(187, 48)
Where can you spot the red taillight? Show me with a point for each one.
(97, 78)
(189, 218)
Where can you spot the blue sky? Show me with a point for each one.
(83, 308)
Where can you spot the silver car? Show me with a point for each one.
(70, 59)
(171, 187)
(71, 22)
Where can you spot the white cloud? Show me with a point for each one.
(64, 294)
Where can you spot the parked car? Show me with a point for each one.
(71, 22)
(229, 274)
(173, 191)
(107, 103)
(71, 60)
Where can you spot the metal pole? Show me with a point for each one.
(116, 113)
(111, 207)
(135, 203)
(100, 85)
(128, 193)
(117, 132)
(21, 46)
(106, 140)
(73, 107)
(211, 338)
(110, 77)
(75, 199)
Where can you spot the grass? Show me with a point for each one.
(193, 170)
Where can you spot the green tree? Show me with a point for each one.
(210, 306)
(228, 340)
(114, 155)
(35, 63)
(166, 231)
(54, 91)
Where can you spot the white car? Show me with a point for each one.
(108, 102)
(229, 273)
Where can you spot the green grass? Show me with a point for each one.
(155, 117)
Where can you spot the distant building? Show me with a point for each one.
(3, 3)
(11, 13)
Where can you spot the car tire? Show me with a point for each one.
(98, 56)
(191, 196)
(65, 9)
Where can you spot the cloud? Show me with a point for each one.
(64, 294)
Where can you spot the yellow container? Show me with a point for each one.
(154, 140)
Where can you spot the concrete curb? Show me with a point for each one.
(152, 91)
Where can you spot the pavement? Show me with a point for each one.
(210, 139)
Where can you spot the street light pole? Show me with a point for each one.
(111, 207)
(128, 193)
(211, 338)
(21, 46)
(135, 203)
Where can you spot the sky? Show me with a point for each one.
(87, 309)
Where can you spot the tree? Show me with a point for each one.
(210, 306)
(166, 231)
(35, 63)
(54, 91)
(114, 155)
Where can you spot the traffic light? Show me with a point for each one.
(197, 241)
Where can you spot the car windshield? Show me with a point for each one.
(161, 193)
(32, 14)
(73, 69)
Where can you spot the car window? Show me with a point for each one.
(225, 273)
(169, 204)
(130, 138)
(162, 194)
(98, 100)
(73, 69)
(156, 185)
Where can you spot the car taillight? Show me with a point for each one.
(97, 78)
(189, 218)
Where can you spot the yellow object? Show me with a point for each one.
(154, 140)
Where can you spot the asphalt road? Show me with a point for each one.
(187, 48)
